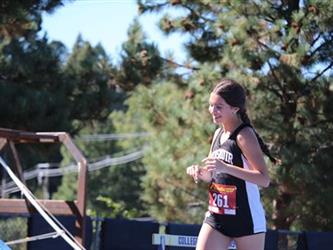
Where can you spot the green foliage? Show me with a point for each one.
(281, 51)
(13, 229)
(50, 92)
(21, 17)
(177, 139)
(117, 209)
(88, 75)
(112, 191)
(31, 76)
(140, 61)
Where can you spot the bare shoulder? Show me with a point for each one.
(251, 149)
(247, 137)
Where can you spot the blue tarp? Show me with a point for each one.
(315, 240)
(3, 246)
(37, 226)
(122, 234)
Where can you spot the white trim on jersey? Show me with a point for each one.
(256, 208)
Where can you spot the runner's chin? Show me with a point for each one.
(216, 120)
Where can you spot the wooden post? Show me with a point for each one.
(18, 166)
(82, 178)
(3, 143)
(78, 207)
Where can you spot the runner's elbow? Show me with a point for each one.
(266, 182)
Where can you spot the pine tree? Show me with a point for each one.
(20, 17)
(281, 51)
(140, 60)
(179, 134)
(113, 190)
(88, 71)
(45, 88)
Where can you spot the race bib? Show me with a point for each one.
(222, 199)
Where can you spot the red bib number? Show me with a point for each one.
(222, 199)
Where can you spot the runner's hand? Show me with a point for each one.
(214, 165)
(199, 173)
(193, 171)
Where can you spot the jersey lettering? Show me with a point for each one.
(223, 155)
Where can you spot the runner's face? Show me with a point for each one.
(220, 110)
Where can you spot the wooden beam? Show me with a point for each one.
(3, 142)
(28, 137)
(56, 207)
(72, 148)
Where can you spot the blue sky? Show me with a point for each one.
(106, 21)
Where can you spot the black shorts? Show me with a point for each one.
(231, 226)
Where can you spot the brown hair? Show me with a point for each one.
(234, 94)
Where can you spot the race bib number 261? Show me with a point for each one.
(222, 199)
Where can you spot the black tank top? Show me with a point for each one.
(230, 153)
(250, 215)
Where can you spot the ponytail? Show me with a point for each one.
(245, 118)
